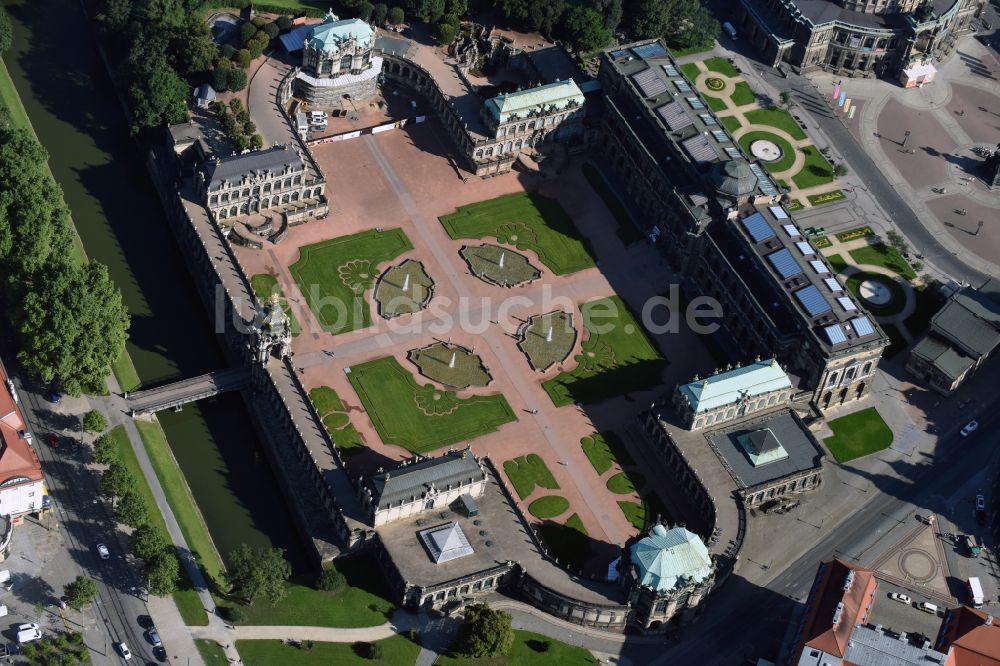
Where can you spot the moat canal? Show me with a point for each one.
(68, 96)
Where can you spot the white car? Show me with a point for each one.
(103, 551)
(969, 428)
(901, 598)
(125, 652)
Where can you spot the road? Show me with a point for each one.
(774, 604)
(86, 520)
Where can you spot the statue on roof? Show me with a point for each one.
(274, 331)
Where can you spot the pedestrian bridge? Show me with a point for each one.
(176, 394)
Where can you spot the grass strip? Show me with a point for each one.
(530, 649)
(211, 652)
(124, 371)
(395, 650)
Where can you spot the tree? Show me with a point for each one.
(456, 7)
(485, 632)
(330, 580)
(611, 10)
(243, 58)
(365, 10)
(258, 572)
(6, 30)
(271, 30)
(157, 97)
(256, 142)
(94, 421)
(839, 169)
(379, 13)
(374, 651)
(247, 31)
(584, 29)
(237, 80)
(897, 240)
(786, 98)
(105, 450)
(681, 23)
(446, 33)
(430, 11)
(236, 106)
(132, 509)
(227, 51)
(163, 573)
(284, 22)
(220, 79)
(147, 542)
(73, 327)
(116, 480)
(544, 15)
(396, 16)
(115, 14)
(80, 592)
(194, 49)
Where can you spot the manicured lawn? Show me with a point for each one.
(617, 358)
(691, 71)
(336, 420)
(548, 339)
(816, 170)
(787, 158)
(885, 256)
(548, 506)
(691, 50)
(624, 483)
(181, 501)
(528, 221)
(567, 542)
(857, 435)
(627, 231)
(826, 197)
(124, 371)
(422, 418)
(722, 66)
(265, 284)
(715, 103)
(604, 449)
(530, 649)
(526, 472)
(10, 100)
(450, 365)
(742, 94)
(643, 514)
(365, 602)
(776, 117)
(333, 275)
(731, 123)
(395, 650)
(187, 600)
(211, 652)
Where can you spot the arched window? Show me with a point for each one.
(868, 368)
(345, 62)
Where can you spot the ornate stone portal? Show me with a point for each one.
(274, 331)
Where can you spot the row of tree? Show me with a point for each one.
(69, 314)
(148, 543)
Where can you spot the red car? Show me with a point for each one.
(52, 439)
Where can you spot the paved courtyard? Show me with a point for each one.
(401, 179)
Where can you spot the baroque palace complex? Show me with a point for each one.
(719, 220)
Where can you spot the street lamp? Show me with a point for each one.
(906, 135)
(979, 227)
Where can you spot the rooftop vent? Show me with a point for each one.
(837, 613)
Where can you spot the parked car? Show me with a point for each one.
(125, 652)
(102, 550)
(54, 396)
(28, 632)
(901, 598)
(154, 637)
(969, 428)
(928, 608)
(980, 503)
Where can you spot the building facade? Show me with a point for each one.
(732, 394)
(422, 485)
(856, 37)
(275, 180)
(338, 61)
(720, 220)
(962, 336)
(666, 574)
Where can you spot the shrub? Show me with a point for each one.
(413, 636)
(259, 21)
(330, 580)
(94, 421)
(227, 51)
(247, 31)
(243, 59)
(256, 142)
(374, 652)
(446, 33)
(271, 30)
(220, 79)
(237, 80)
(284, 23)
(396, 15)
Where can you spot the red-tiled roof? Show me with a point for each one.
(17, 458)
(831, 590)
(973, 642)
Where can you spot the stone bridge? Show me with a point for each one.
(175, 394)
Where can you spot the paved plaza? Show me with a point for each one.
(401, 179)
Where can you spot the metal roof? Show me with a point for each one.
(667, 559)
(945, 359)
(410, 482)
(446, 542)
(728, 387)
(270, 160)
(969, 323)
(332, 32)
(559, 94)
